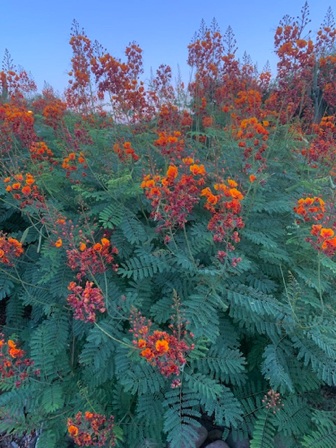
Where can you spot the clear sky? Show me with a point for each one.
(37, 32)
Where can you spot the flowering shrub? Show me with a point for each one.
(207, 194)
(166, 352)
(12, 365)
(92, 430)
(9, 249)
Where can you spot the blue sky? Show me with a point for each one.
(37, 32)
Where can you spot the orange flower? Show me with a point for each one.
(155, 192)
(86, 438)
(14, 352)
(71, 286)
(331, 242)
(301, 43)
(7, 180)
(243, 124)
(236, 194)
(327, 233)
(265, 123)
(143, 330)
(73, 431)
(207, 121)
(14, 242)
(82, 247)
(16, 186)
(308, 201)
(2, 253)
(11, 344)
(26, 190)
(59, 243)
(162, 346)
(316, 229)
(18, 177)
(97, 247)
(172, 172)
(72, 156)
(198, 169)
(88, 415)
(150, 183)
(30, 180)
(172, 139)
(232, 183)
(188, 161)
(212, 199)
(141, 343)
(81, 160)
(8, 188)
(147, 353)
(252, 178)
(105, 242)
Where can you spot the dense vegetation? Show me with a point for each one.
(169, 253)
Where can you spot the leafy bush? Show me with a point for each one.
(167, 260)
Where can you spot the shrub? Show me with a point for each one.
(178, 266)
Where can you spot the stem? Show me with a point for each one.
(189, 248)
(319, 286)
(111, 337)
(22, 281)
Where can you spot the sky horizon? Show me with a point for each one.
(37, 34)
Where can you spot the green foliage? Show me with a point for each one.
(180, 417)
(263, 324)
(264, 431)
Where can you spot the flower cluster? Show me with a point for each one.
(252, 136)
(69, 162)
(79, 94)
(170, 144)
(39, 151)
(15, 121)
(91, 429)
(310, 208)
(21, 187)
(126, 153)
(207, 122)
(86, 301)
(12, 364)
(249, 101)
(272, 401)
(297, 57)
(54, 112)
(9, 249)
(92, 259)
(174, 197)
(15, 82)
(322, 147)
(165, 351)
(323, 229)
(19, 184)
(326, 241)
(225, 207)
